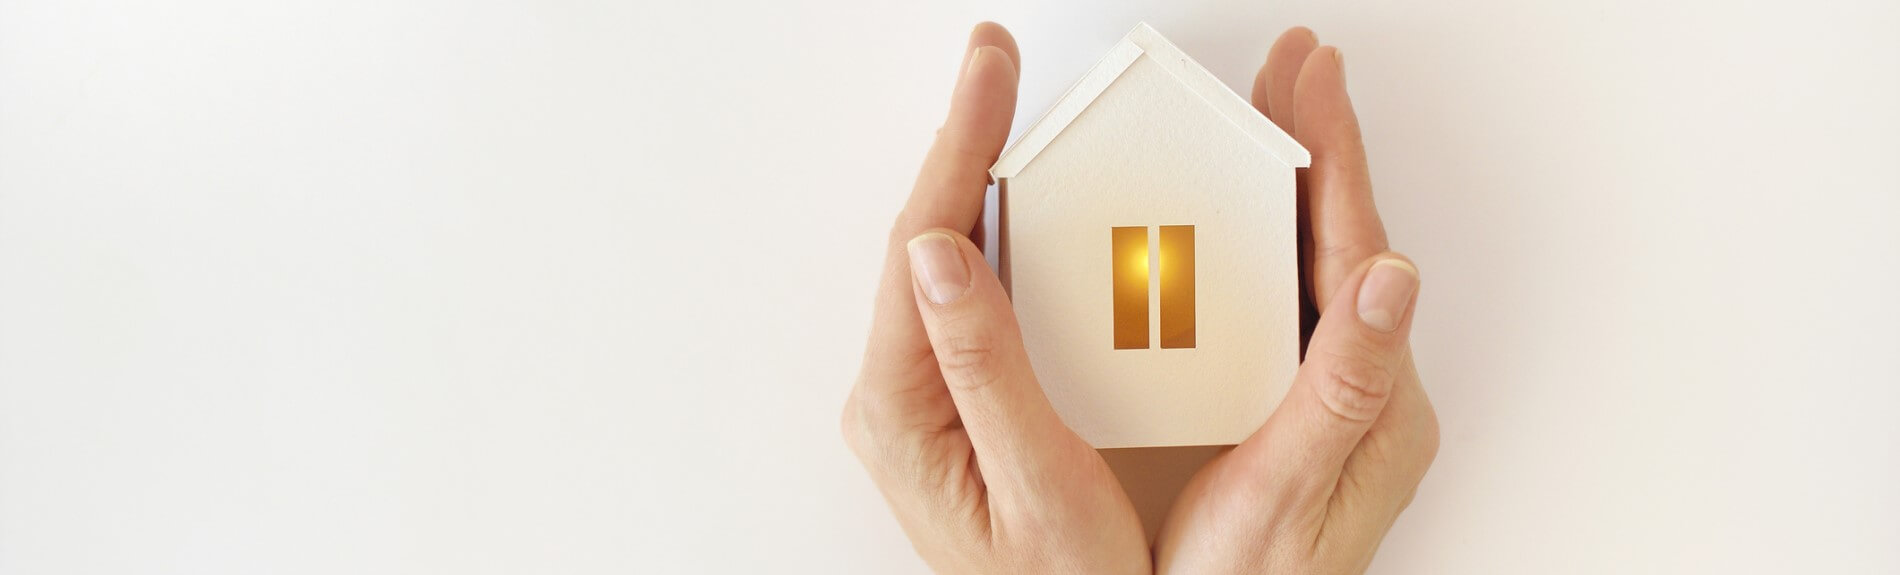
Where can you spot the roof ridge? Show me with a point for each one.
(1140, 41)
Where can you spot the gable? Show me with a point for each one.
(1124, 162)
(1144, 44)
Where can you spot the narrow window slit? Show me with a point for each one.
(1129, 254)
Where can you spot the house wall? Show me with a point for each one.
(1148, 152)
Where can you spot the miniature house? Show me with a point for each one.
(1147, 235)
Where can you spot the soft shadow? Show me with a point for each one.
(1154, 476)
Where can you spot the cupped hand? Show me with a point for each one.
(1318, 486)
(948, 418)
(946, 414)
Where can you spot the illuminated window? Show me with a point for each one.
(1177, 287)
(1131, 287)
(1173, 262)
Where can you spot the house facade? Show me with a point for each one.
(1147, 235)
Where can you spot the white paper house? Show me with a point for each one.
(1145, 331)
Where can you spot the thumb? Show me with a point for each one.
(979, 348)
(1351, 364)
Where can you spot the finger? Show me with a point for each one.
(1273, 86)
(1345, 225)
(1273, 96)
(1344, 384)
(950, 187)
(898, 374)
(993, 34)
(979, 349)
(990, 34)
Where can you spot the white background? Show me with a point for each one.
(579, 287)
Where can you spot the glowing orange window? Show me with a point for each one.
(1172, 261)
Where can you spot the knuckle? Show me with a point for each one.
(884, 447)
(851, 424)
(970, 359)
(1423, 422)
(1428, 439)
(1356, 382)
(1405, 500)
(867, 425)
(859, 433)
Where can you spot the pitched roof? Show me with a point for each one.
(1144, 40)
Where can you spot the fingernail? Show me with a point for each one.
(1385, 293)
(975, 56)
(938, 266)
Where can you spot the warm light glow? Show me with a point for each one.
(1175, 266)
(1129, 254)
(1177, 287)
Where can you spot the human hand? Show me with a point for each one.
(946, 414)
(1317, 487)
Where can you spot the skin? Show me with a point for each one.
(950, 422)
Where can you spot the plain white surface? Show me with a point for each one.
(564, 287)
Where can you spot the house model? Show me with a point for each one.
(1147, 235)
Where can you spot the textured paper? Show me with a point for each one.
(1150, 139)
